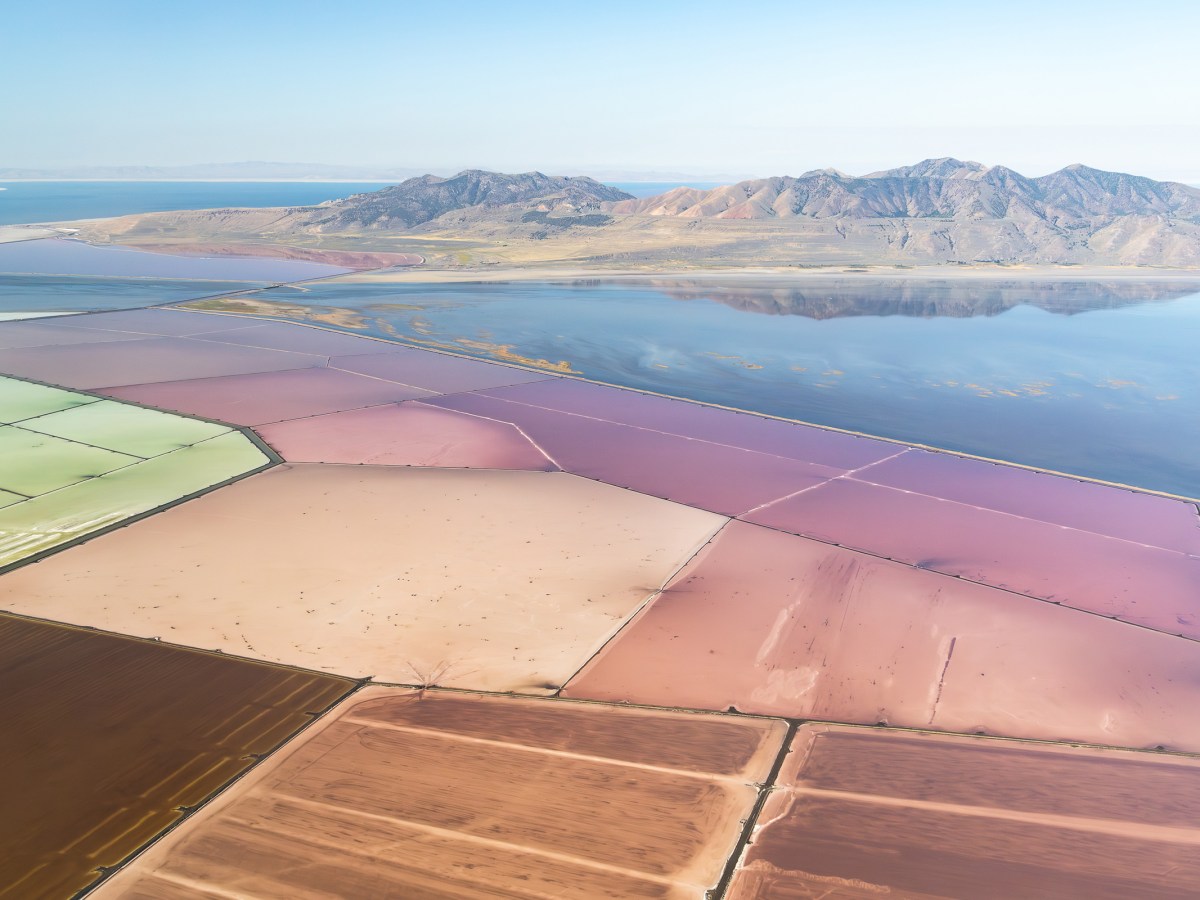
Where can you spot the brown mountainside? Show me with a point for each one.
(936, 212)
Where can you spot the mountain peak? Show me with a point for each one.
(939, 167)
(423, 199)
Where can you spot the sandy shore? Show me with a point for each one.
(10, 234)
(352, 259)
(420, 274)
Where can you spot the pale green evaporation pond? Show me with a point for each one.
(75, 464)
(1095, 378)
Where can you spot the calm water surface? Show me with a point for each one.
(60, 201)
(54, 256)
(1095, 378)
(70, 276)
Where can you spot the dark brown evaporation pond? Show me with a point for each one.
(114, 737)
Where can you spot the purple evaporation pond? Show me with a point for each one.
(434, 371)
(41, 333)
(268, 396)
(1148, 586)
(159, 322)
(739, 429)
(302, 339)
(66, 257)
(91, 366)
(715, 477)
(774, 624)
(1114, 511)
(406, 434)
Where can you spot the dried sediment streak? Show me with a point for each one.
(109, 739)
(432, 794)
(861, 813)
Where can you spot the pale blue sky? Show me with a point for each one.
(746, 88)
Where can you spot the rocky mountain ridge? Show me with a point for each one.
(420, 200)
(937, 188)
(936, 212)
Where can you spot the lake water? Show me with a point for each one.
(71, 276)
(1094, 378)
(60, 201)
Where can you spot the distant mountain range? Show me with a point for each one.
(935, 212)
(421, 200)
(934, 189)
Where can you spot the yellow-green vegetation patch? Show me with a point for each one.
(76, 465)
(22, 400)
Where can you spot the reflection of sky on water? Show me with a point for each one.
(1109, 390)
(80, 293)
(70, 276)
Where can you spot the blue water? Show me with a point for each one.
(85, 293)
(1096, 379)
(55, 275)
(60, 201)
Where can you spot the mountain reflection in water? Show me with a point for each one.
(1093, 377)
(836, 298)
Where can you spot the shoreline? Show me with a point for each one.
(882, 272)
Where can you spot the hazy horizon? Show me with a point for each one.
(350, 173)
(672, 87)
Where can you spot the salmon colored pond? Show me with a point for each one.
(409, 794)
(861, 813)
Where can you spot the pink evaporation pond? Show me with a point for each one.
(40, 333)
(1117, 512)
(774, 624)
(302, 339)
(91, 366)
(723, 426)
(65, 257)
(407, 434)
(105, 327)
(162, 322)
(715, 477)
(1149, 586)
(268, 396)
(433, 371)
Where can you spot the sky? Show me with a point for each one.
(748, 88)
